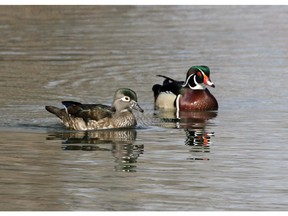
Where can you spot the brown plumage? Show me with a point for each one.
(77, 116)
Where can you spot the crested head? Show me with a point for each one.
(125, 99)
(194, 69)
(197, 77)
(121, 92)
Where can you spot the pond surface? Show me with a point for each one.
(236, 160)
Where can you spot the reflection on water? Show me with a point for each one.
(83, 53)
(198, 137)
(126, 156)
(194, 126)
(121, 140)
(200, 141)
(95, 137)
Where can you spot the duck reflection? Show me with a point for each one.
(194, 126)
(126, 156)
(121, 140)
(198, 137)
(199, 140)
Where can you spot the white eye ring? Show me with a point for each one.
(126, 98)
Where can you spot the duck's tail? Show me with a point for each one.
(60, 113)
(167, 79)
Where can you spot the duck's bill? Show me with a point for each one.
(208, 82)
(136, 106)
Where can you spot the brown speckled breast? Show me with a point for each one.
(198, 100)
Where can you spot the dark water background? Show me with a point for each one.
(234, 161)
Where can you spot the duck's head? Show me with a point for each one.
(125, 99)
(197, 77)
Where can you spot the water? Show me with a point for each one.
(237, 160)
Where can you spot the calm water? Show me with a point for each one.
(237, 160)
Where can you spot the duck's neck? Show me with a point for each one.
(198, 87)
(120, 110)
(126, 110)
(194, 85)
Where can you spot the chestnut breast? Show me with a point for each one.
(197, 100)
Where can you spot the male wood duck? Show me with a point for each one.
(188, 95)
(77, 116)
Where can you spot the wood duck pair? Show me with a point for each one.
(77, 116)
(188, 95)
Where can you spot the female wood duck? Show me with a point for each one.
(77, 116)
(188, 95)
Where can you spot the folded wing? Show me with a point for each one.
(88, 111)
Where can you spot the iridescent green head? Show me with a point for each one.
(197, 77)
(202, 68)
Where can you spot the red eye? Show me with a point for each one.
(198, 73)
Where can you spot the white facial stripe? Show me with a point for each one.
(201, 70)
(198, 85)
(186, 81)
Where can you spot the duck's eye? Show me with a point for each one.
(126, 98)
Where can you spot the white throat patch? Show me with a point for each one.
(198, 86)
